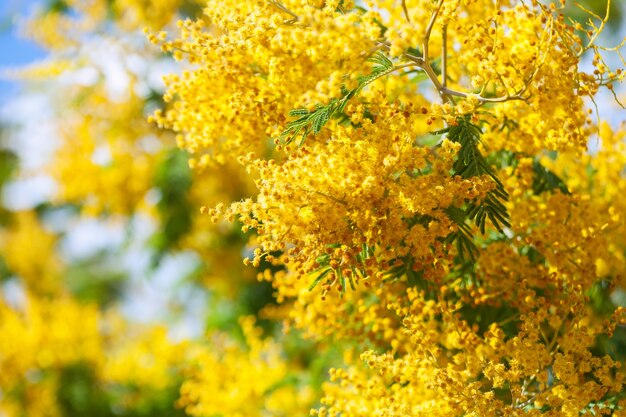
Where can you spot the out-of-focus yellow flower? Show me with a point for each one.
(237, 381)
(38, 342)
(29, 251)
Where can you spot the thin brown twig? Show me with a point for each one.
(429, 29)
(444, 56)
(406, 11)
(599, 29)
(446, 93)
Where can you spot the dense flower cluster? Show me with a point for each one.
(409, 181)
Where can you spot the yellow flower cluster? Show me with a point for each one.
(42, 341)
(38, 341)
(109, 155)
(215, 384)
(258, 67)
(145, 359)
(58, 355)
(30, 253)
(365, 190)
(108, 143)
(359, 198)
(63, 24)
(598, 179)
(410, 176)
(455, 368)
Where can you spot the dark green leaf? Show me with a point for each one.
(319, 278)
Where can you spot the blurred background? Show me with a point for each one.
(34, 103)
(107, 269)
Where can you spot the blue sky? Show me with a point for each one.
(15, 51)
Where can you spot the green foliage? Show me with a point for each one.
(94, 280)
(255, 296)
(471, 163)
(381, 66)
(173, 180)
(532, 254)
(4, 270)
(463, 237)
(58, 6)
(405, 268)
(81, 394)
(545, 180)
(311, 122)
(190, 9)
(614, 346)
(323, 272)
(483, 315)
(8, 165)
(600, 297)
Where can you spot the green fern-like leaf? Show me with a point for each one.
(381, 63)
(545, 180)
(324, 271)
(311, 122)
(471, 163)
(463, 239)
